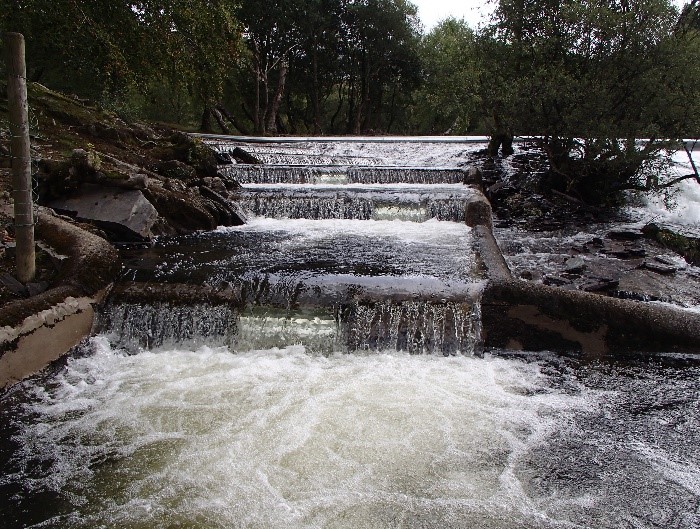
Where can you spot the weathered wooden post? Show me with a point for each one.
(21, 157)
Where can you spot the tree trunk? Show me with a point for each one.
(232, 119)
(273, 109)
(364, 95)
(219, 120)
(206, 124)
(314, 88)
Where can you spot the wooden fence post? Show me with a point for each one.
(21, 156)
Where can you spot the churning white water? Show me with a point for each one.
(681, 209)
(280, 438)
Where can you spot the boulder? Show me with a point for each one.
(127, 214)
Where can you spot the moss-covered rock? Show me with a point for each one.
(688, 247)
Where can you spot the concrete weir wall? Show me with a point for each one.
(36, 331)
(527, 316)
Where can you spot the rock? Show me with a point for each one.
(175, 185)
(575, 265)
(596, 284)
(555, 281)
(215, 184)
(85, 161)
(625, 235)
(37, 288)
(473, 176)
(688, 247)
(230, 183)
(530, 275)
(126, 214)
(185, 212)
(177, 170)
(622, 251)
(13, 285)
(660, 268)
(242, 156)
(667, 261)
(223, 158)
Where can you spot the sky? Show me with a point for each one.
(433, 11)
(473, 11)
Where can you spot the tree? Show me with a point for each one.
(591, 79)
(448, 99)
(107, 50)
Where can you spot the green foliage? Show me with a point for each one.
(342, 65)
(577, 73)
(118, 52)
(448, 99)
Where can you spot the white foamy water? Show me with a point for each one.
(280, 438)
(683, 210)
(451, 234)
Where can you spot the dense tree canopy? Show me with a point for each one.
(109, 51)
(589, 78)
(448, 98)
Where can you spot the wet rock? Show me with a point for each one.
(660, 268)
(594, 284)
(531, 275)
(223, 158)
(575, 265)
(688, 247)
(13, 285)
(667, 261)
(625, 235)
(555, 281)
(622, 250)
(643, 285)
(215, 184)
(125, 214)
(243, 156)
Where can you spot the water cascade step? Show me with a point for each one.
(361, 202)
(417, 327)
(347, 248)
(328, 174)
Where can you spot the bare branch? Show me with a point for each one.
(692, 162)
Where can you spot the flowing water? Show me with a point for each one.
(312, 403)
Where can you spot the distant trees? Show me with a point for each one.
(327, 66)
(591, 79)
(111, 51)
(448, 100)
(588, 78)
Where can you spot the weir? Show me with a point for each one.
(361, 202)
(380, 255)
(318, 372)
(417, 327)
(303, 174)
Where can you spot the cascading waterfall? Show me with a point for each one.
(291, 174)
(246, 414)
(147, 325)
(416, 327)
(277, 206)
(412, 326)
